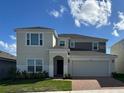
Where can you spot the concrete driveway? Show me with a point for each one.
(96, 83)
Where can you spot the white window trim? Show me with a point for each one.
(34, 64)
(64, 41)
(38, 39)
(93, 46)
(73, 45)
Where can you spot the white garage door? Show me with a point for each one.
(89, 68)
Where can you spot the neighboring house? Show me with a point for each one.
(7, 62)
(41, 49)
(118, 49)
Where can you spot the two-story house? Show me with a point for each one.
(118, 49)
(42, 49)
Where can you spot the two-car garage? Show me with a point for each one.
(86, 64)
(89, 68)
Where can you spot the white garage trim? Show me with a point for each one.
(106, 65)
(108, 58)
(89, 58)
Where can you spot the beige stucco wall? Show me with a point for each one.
(118, 49)
(40, 52)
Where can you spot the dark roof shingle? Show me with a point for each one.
(79, 36)
(39, 27)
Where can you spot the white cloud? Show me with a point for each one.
(58, 13)
(12, 37)
(62, 9)
(77, 23)
(90, 12)
(119, 26)
(55, 13)
(10, 48)
(115, 33)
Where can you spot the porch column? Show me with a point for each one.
(51, 67)
(65, 66)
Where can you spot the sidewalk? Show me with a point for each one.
(89, 91)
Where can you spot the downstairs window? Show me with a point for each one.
(35, 65)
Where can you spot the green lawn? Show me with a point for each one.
(14, 86)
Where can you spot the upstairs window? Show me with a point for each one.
(62, 43)
(28, 39)
(41, 41)
(95, 46)
(34, 39)
(72, 44)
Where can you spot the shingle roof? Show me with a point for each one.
(39, 27)
(79, 36)
(7, 55)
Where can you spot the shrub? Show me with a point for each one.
(24, 74)
(18, 74)
(45, 74)
(40, 75)
(67, 76)
(13, 74)
(117, 75)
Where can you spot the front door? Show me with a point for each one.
(59, 67)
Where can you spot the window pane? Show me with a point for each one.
(62, 43)
(72, 44)
(95, 46)
(34, 39)
(40, 36)
(41, 39)
(30, 62)
(41, 42)
(38, 62)
(28, 42)
(30, 68)
(28, 36)
(38, 68)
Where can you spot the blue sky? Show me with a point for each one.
(87, 17)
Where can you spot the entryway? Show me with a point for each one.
(58, 66)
